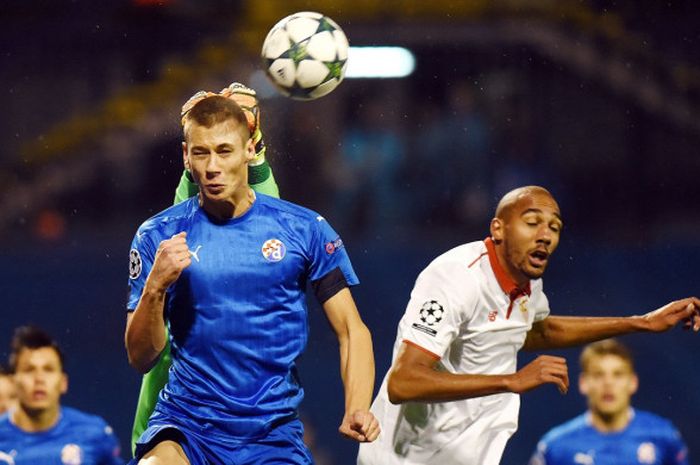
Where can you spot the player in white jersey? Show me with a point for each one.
(452, 393)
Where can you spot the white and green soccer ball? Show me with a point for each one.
(305, 55)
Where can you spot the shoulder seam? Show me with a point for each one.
(477, 259)
(290, 208)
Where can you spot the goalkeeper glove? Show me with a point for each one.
(247, 99)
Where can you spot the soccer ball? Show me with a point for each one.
(305, 55)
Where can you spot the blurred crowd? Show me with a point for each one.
(601, 118)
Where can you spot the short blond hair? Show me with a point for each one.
(213, 110)
(605, 347)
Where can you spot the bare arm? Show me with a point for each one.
(356, 366)
(415, 377)
(145, 327)
(558, 331)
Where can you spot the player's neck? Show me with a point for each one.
(513, 274)
(33, 421)
(237, 205)
(611, 423)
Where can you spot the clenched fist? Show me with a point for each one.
(360, 426)
(172, 257)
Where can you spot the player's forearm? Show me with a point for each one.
(357, 368)
(186, 188)
(426, 384)
(262, 180)
(562, 331)
(145, 332)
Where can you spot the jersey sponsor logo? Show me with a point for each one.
(332, 246)
(8, 458)
(584, 459)
(646, 453)
(430, 314)
(274, 250)
(194, 253)
(72, 454)
(135, 264)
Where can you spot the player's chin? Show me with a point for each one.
(37, 407)
(609, 411)
(216, 197)
(534, 272)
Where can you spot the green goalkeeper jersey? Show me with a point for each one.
(154, 380)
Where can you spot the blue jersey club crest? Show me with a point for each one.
(274, 250)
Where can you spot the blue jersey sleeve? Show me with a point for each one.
(328, 254)
(109, 449)
(677, 450)
(539, 457)
(141, 256)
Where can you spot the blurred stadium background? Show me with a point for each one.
(598, 100)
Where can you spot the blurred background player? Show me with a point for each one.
(261, 180)
(236, 309)
(40, 430)
(611, 431)
(8, 393)
(452, 394)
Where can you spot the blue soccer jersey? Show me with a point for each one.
(77, 439)
(237, 314)
(648, 439)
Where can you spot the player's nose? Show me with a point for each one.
(544, 234)
(213, 164)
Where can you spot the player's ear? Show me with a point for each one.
(582, 385)
(496, 229)
(249, 150)
(185, 158)
(64, 384)
(634, 384)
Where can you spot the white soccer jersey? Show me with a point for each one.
(467, 312)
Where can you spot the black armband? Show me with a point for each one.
(329, 285)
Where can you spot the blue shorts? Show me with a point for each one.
(284, 445)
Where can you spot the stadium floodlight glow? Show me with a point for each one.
(379, 62)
